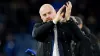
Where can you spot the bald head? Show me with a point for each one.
(47, 12)
(45, 6)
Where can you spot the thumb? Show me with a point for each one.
(62, 14)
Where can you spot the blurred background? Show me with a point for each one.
(17, 18)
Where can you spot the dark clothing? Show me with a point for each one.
(42, 32)
(81, 47)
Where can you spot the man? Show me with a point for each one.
(56, 32)
(50, 18)
(79, 48)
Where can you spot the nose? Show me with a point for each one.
(48, 16)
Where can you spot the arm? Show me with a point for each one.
(40, 30)
(69, 22)
(75, 29)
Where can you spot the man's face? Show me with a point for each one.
(47, 13)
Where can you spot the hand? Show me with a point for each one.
(59, 14)
(68, 10)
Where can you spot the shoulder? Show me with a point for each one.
(37, 24)
(86, 29)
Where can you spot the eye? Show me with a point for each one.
(44, 14)
(49, 12)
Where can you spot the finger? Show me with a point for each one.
(61, 8)
(70, 4)
(67, 4)
(62, 14)
(67, 7)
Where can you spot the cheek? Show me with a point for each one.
(43, 18)
(52, 15)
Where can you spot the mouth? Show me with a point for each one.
(49, 19)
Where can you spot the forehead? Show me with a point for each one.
(46, 9)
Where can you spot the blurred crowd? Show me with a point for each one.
(17, 18)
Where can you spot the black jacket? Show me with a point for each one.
(81, 48)
(42, 32)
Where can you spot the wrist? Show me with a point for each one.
(67, 18)
(54, 21)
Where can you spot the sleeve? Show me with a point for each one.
(76, 31)
(40, 31)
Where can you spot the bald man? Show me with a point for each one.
(56, 32)
(43, 32)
